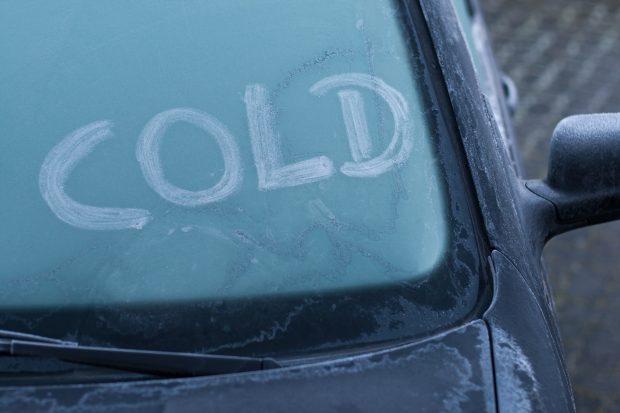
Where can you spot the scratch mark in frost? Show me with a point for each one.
(352, 106)
(269, 334)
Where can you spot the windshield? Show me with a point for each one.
(249, 177)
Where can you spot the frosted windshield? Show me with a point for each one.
(157, 151)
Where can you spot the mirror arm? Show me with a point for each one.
(575, 210)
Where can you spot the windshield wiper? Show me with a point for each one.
(161, 363)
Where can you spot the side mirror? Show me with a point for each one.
(583, 180)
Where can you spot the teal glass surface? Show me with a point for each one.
(302, 79)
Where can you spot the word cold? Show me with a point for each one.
(272, 170)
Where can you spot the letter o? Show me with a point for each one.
(148, 148)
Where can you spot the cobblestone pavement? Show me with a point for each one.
(564, 57)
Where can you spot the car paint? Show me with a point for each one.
(450, 372)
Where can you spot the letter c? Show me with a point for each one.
(55, 171)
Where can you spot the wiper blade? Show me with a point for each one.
(161, 363)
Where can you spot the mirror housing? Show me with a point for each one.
(583, 179)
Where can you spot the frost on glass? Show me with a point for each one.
(166, 151)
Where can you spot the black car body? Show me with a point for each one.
(506, 355)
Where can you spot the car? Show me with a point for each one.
(278, 206)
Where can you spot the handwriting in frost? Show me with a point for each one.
(56, 169)
(272, 170)
(147, 153)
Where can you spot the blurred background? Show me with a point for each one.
(564, 56)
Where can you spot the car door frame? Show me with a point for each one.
(513, 216)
